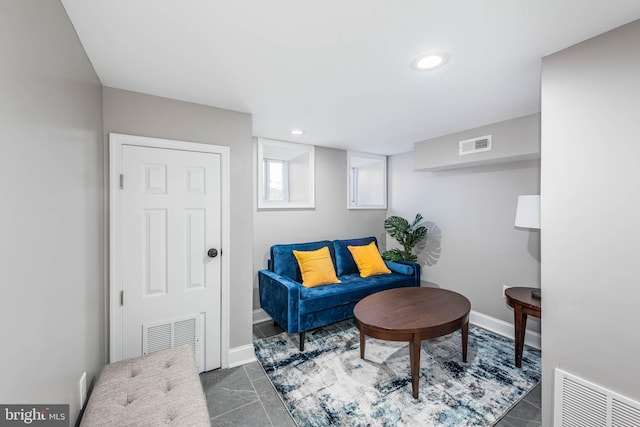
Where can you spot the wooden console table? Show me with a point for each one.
(523, 304)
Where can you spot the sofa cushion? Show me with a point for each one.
(352, 289)
(344, 260)
(368, 260)
(316, 267)
(284, 263)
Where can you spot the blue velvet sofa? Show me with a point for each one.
(298, 309)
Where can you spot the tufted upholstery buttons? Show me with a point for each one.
(128, 400)
(170, 417)
(161, 388)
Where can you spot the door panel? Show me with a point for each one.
(170, 216)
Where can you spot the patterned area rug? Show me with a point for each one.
(329, 385)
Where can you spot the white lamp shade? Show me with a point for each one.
(528, 212)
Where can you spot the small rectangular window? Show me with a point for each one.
(367, 181)
(276, 180)
(354, 185)
(285, 175)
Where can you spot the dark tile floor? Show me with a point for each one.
(244, 396)
(527, 413)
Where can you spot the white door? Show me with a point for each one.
(170, 231)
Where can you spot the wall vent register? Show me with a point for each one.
(174, 333)
(474, 145)
(580, 403)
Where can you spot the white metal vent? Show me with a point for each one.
(184, 332)
(624, 414)
(173, 333)
(158, 337)
(474, 145)
(580, 403)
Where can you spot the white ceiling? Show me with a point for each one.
(340, 69)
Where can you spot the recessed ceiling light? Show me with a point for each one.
(296, 131)
(429, 61)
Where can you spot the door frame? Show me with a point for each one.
(116, 142)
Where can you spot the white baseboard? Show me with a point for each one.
(241, 355)
(492, 324)
(245, 354)
(260, 315)
(503, 328)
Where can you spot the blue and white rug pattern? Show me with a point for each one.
(329, 385)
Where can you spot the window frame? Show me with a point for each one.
(285, 179)
(353, 179)
(284, 151)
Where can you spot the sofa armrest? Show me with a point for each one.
(279, 297)
(407, 268)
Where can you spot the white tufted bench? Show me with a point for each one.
(161, 388)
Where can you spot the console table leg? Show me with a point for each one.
(465, 341)
(520, 327)
(414, 357)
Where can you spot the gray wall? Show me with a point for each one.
(472, 246)
(511, 140)
(51, 235)
(138, 114)
(329, 220)
(590, 210)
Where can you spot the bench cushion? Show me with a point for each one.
(157, 389)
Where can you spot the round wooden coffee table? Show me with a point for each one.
(413, 315)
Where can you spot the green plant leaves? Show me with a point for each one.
(417, 220)
(392, 255)
(408, 235)
(397, 227)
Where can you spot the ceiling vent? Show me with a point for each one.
(474, 145)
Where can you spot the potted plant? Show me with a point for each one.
(408, 235)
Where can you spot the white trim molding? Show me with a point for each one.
(241, 355)
(503, 328)
(260, 316)
(116, 142)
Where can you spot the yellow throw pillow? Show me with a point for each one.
(368, 260)
(316, 267)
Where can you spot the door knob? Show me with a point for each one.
(212, 253)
